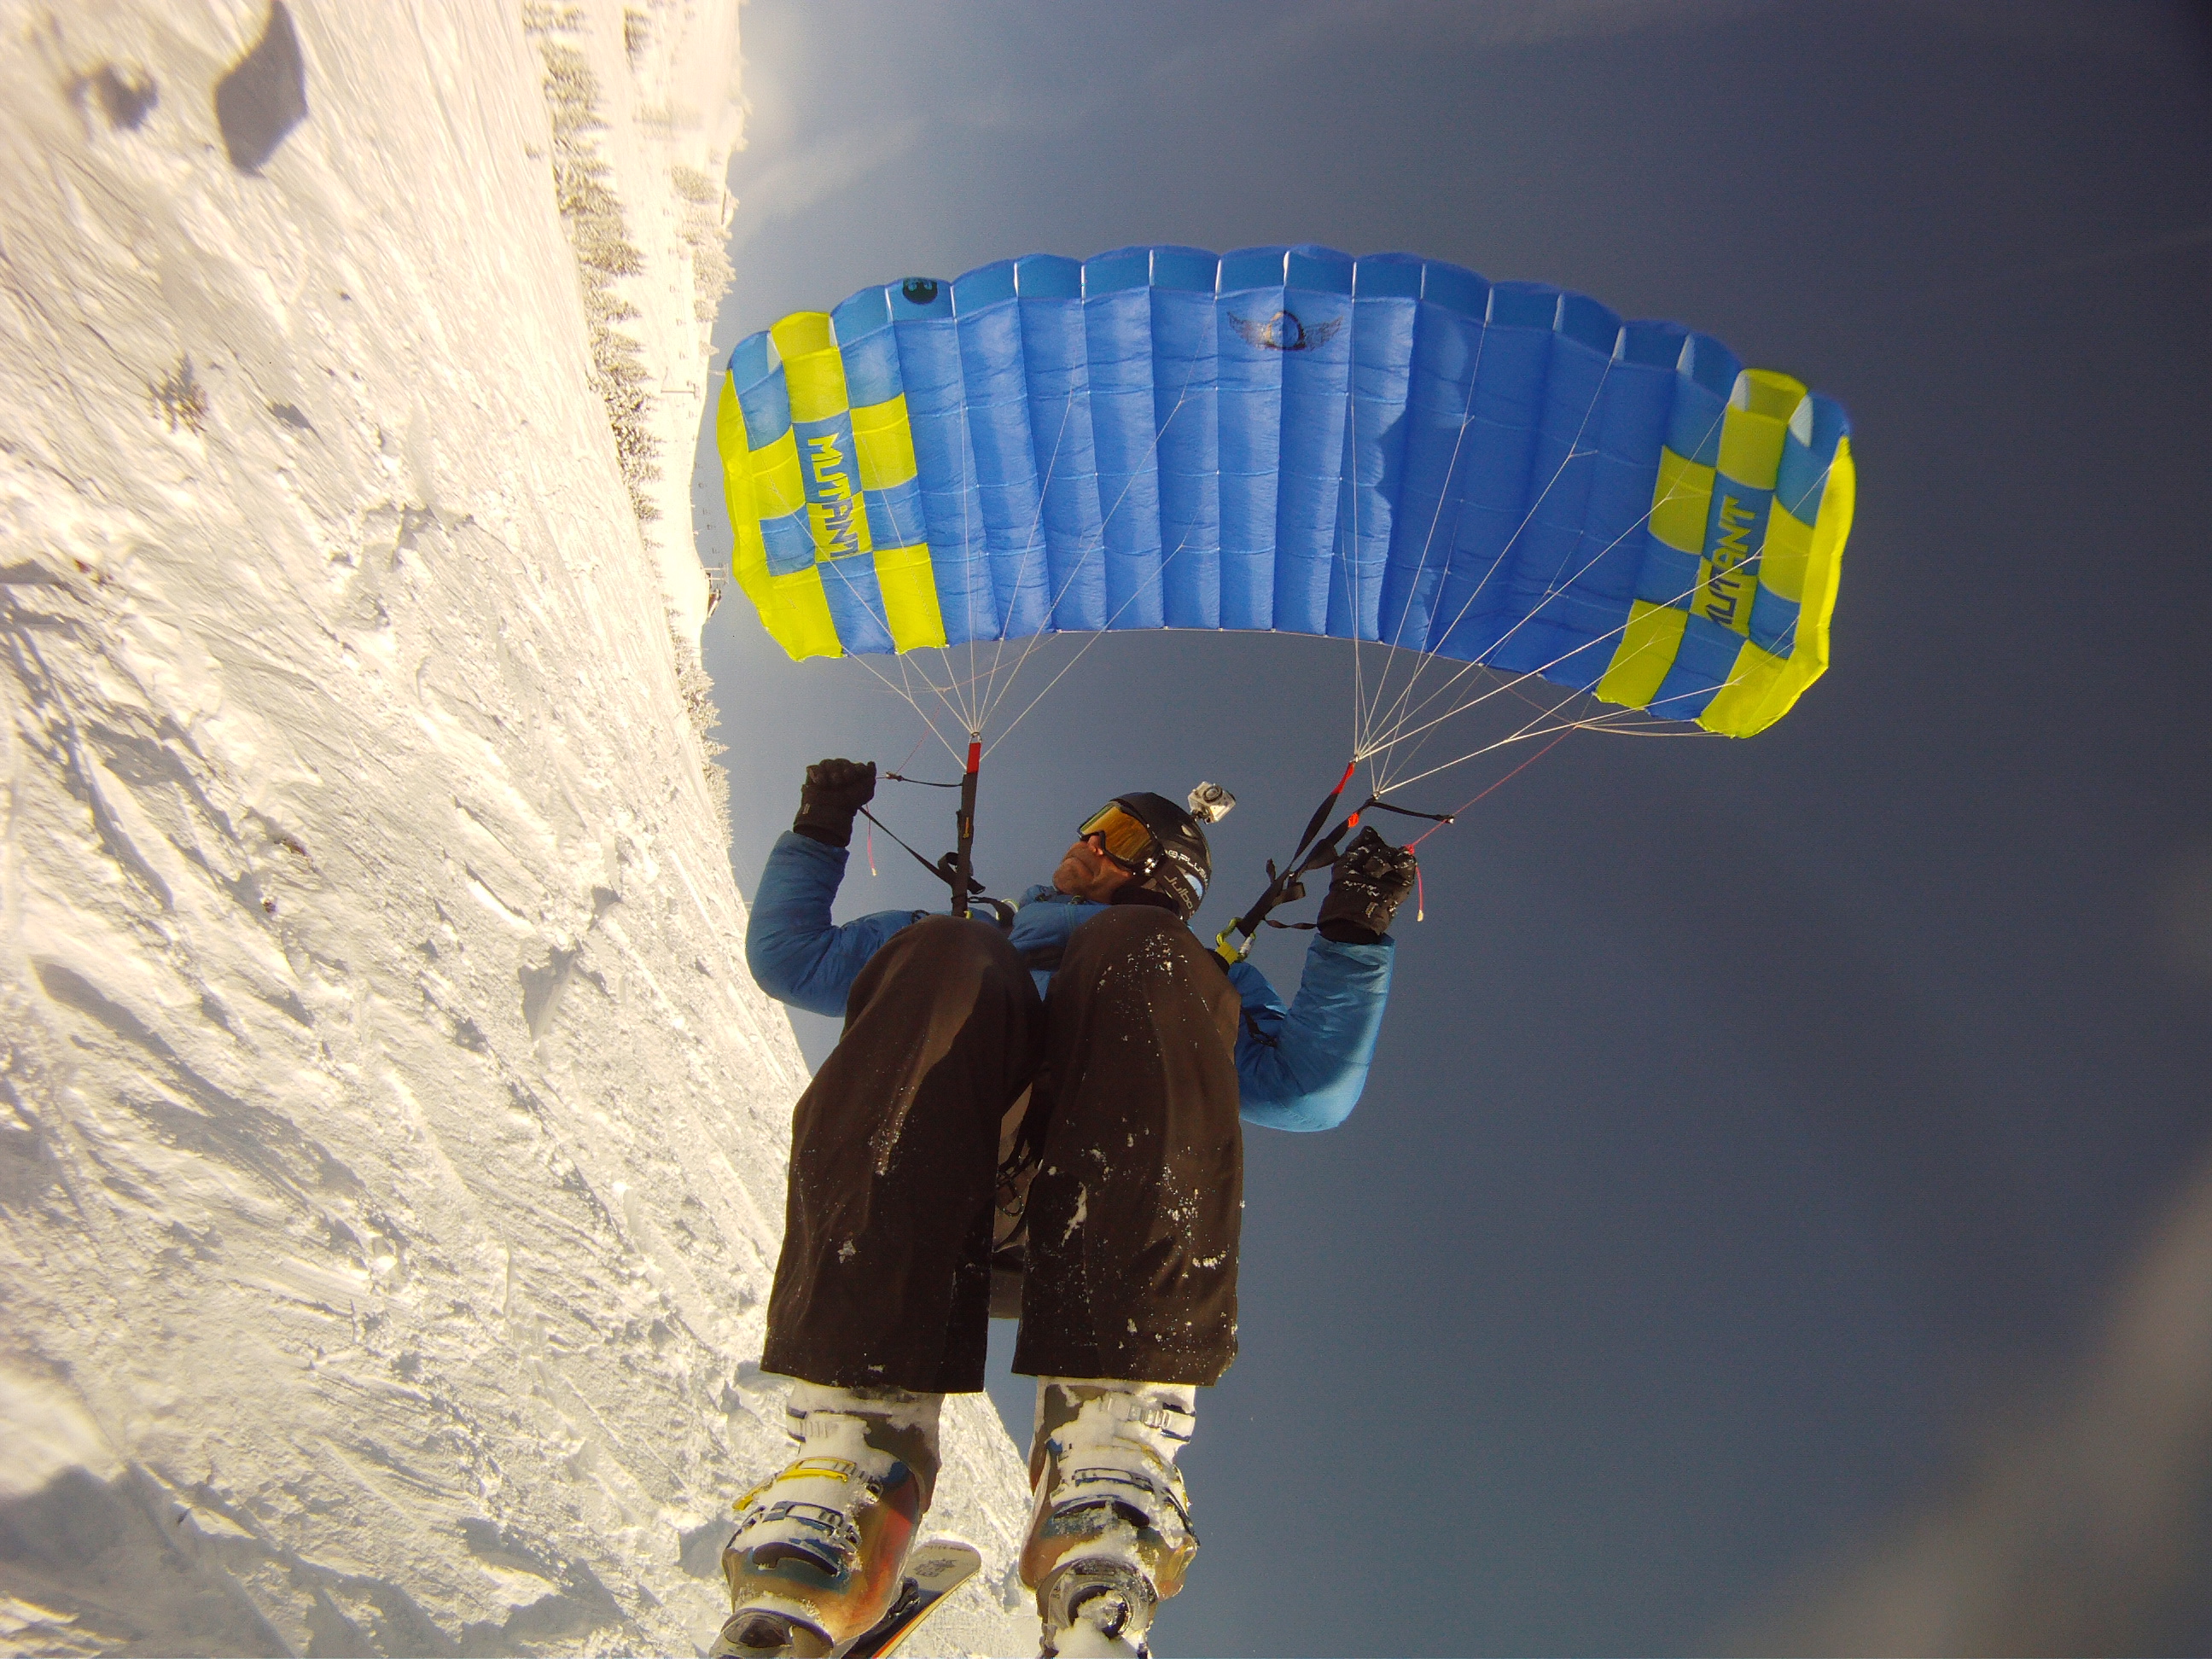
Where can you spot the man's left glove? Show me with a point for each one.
(835, 790)
(1371, 881)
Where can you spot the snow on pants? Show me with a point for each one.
(1133, 1212)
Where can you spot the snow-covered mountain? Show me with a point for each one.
(392, 1140)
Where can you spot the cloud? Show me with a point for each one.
(830, 104)
(2081, 1532)
(2185, 912)
(2115, 29)
(809, 174)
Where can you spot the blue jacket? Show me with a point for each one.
(1300, 1068)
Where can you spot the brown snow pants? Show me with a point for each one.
(1134, 1205)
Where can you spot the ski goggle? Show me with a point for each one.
(1127, 842)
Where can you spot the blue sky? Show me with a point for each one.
(1696, 1234)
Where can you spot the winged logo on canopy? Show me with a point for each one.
(1284, 331)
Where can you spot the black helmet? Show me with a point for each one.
(1175, 861)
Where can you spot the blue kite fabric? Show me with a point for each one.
(1389, 448)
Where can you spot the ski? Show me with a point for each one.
(934, 1571)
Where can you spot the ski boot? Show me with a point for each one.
(820, 1550)
(1109, 1533)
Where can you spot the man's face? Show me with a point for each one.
(1085, 872)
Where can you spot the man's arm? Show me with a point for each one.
(796, 952)
(1303, 1067)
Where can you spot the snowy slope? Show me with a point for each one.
(391, 1138)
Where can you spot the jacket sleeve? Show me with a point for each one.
(797, 954)
(1303, 1067)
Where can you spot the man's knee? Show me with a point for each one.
(948, 953)
(956, 939)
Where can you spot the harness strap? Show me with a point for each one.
(1375, 806)
(963, 821)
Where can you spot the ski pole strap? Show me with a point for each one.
(935, 867)
(943, 870)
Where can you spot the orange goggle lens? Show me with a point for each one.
(1128, 843)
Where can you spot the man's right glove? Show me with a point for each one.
(835, 790)
(1371, 881)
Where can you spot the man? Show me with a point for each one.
(1059, 1102)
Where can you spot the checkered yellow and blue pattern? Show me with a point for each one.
(830, 544)
(1386, 448)
(1729, 623)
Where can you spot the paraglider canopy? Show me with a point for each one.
(1389, 450)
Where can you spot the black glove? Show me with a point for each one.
(1371, 881)
(835, 790)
